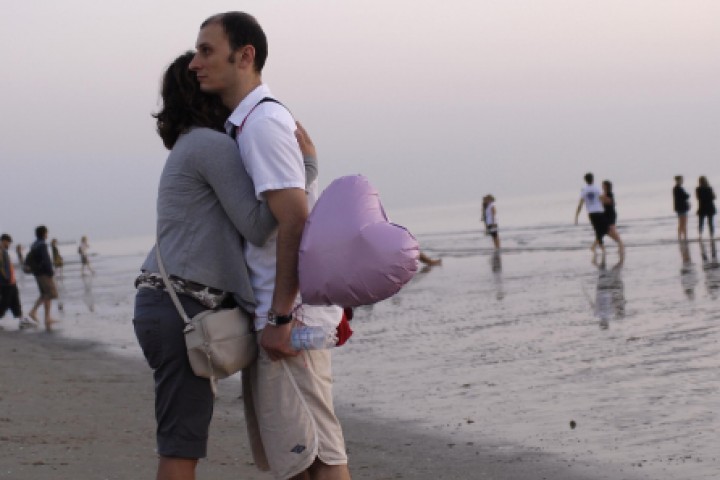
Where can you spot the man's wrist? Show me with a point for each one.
(277, 320)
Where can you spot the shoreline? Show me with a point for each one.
(68, 409)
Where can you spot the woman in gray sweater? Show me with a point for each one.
(206, 209)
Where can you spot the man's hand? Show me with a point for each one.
(276, 341)
(289, 206)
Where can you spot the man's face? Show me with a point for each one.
(5, 244)
(211, 63)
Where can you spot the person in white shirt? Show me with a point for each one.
(590, 196)
(288, 397)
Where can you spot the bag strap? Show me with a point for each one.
(188, 326)
(237, 129)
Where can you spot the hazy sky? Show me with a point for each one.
(437, 102)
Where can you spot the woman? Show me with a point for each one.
(706, 205)
(206, 209)
(56, 257)
(608, 200)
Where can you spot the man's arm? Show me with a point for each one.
(577, 212)
(289, 206)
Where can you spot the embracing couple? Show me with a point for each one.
(232, 203)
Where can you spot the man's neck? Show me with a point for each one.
(232, 99)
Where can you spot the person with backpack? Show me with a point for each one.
(41, 266)
(9, 294)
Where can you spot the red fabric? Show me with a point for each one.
(343, 329)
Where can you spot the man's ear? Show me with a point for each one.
(245, 56)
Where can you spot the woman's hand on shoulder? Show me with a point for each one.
(307, 147)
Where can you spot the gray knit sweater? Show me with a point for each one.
(206, 206)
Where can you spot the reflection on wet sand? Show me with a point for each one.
(688, 275)
(610, 292)
(711, 269)
(496, 266)
(88, 296)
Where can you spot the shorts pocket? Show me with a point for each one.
(147, 328)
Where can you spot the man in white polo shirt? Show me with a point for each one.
(291, 421)
(590, 196)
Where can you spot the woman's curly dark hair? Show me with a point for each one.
(185, 105)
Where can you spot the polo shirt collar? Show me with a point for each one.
(247, 103)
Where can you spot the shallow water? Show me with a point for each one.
(519, 345)
(512, 347)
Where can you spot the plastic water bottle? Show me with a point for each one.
(311, 338)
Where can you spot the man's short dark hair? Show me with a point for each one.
(40, 232)
(5, 238)
(242, 29)
(589, 178)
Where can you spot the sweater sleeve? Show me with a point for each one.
(218, 162)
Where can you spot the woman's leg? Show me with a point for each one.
(711, 226)
(701, 221)
(613, 233)
(682, 227)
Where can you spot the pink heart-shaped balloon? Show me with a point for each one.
(350, 254)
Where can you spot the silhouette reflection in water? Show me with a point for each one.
(496, 266)
(610, 292)
(688, 275)
(711, 269)
(88, 296)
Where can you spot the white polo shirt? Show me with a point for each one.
(272, 158)
(591, 195)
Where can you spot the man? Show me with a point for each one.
(590, 196)
(43, 271)
(291, 421)
(9, 294)
(681, 205)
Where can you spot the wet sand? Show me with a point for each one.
(70, 410)
(475, 370)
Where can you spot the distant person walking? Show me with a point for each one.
(706, 205)
(42, 267)
(429, 261)
(9, 294)
(57, 259)
(490, 219)
(20, 255)
(608, 200)
(590, 196)
(681, 204)
(485, 203)
(84, 259)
